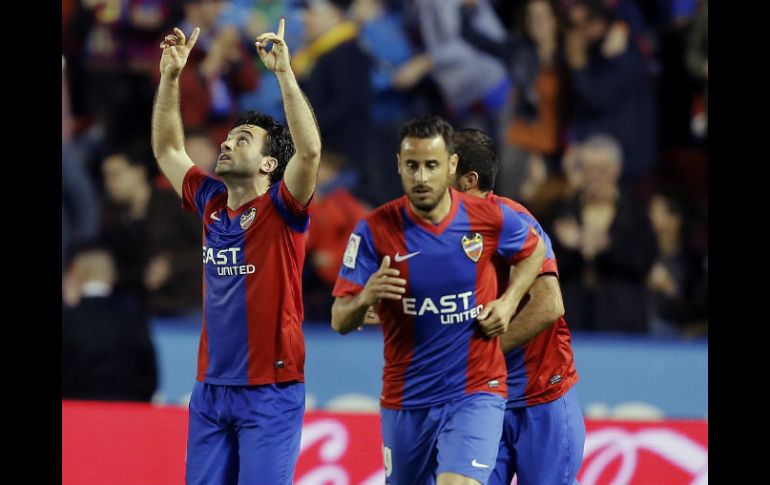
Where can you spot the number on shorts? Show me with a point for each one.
(387, 460)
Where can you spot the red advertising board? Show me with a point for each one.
(126, 444)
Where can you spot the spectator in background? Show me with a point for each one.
(107, 353)
(334, 72)
(696, 57)
(605, 245)
(253, 17)
(156, 246)
(79, 203)
(115, 41)
(199, 144)
(630, 13)
(334, 212)
(676, 280)
(611, 87)
(397, 71)
(219, 71)
(533, 57)
(474, 84)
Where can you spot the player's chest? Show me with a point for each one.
(454, 258)
(224, 229)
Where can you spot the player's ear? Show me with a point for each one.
(268, 165)
(473, 179)
(398, 163)
(453, 159)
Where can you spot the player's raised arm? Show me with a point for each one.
(349, 312)
(167, 130)
(302, 170)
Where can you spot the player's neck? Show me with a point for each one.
(241, 191)
(438, 213)
(476, 192)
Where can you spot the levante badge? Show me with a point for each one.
(473, 246)
(248, 217)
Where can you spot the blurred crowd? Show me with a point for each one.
(599, 110)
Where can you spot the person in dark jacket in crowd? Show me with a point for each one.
(605, 245)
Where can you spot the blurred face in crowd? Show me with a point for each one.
(364, 10)
(121, 178)
(600, 172)
(205, 13)
(319, 17)
(241, 153)
(202, 151)
(592, 28)
(541, 22)
(663, 219)
(426, 170)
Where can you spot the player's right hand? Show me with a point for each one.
(176, 49)
(384, 283)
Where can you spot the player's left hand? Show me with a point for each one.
(277, 60)
(494, 318)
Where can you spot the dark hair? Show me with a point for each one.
(477, 153)
(428, 128)
(278, 142)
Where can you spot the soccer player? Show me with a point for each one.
(248, 402)
(424, 261)
(544, 431)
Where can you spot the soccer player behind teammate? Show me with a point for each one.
(247, 404)
(544, 431)
(444, 389)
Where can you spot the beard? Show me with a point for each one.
(427, 204)
(230, 171)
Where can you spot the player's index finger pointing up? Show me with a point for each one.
(281, 27)
(194, 37)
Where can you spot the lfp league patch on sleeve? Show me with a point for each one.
(351, 252)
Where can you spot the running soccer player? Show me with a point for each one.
(544, 431)
(248, 402)
(424, 261)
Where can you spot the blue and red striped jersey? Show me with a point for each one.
(435, 351)
(252, 288)
(542, 369)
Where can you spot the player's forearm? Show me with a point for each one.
(348, 313)
(167, 130)
(524, 275)
(301, 120)
(543, 309)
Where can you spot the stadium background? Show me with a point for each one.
(643, 388)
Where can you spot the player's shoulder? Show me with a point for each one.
(479, 207)
(388, 213)
(516, 206)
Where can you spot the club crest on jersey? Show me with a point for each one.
(248, 217)
(473, 246)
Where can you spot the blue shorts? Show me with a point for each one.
(460, 437)
(246, 435)
(542, 444)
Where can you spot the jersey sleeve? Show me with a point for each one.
(549, 265)
(292, 212)
(359, 262)
(518, 238)
(197, 189)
